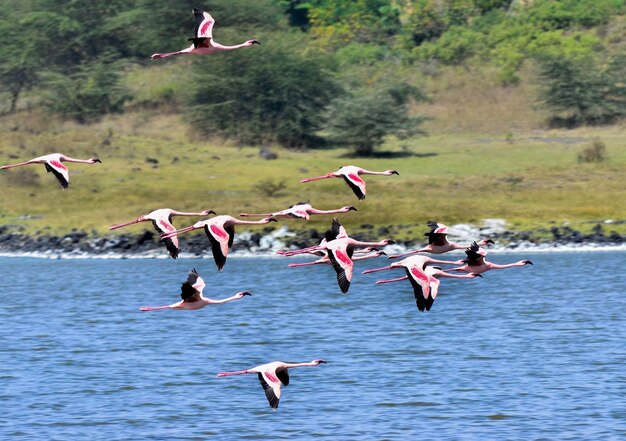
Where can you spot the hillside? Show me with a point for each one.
(489, 152)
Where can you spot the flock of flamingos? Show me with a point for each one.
(337, 248)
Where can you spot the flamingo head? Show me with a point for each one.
(389, 242)
(271, 219)
(94, 160)
(253, 41)
(527, 262)
(319, 362)
(350, 208)
(474, 275)
(244, 293)
(392, 172)
(381, 253)
(207, 212)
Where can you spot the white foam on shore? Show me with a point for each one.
(521, 247)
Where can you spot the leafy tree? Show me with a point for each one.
(362, 120)
(85, 96)
(270, 95)
(584, 91)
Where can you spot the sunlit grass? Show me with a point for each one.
(531, 181)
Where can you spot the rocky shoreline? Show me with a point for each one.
(271, 239)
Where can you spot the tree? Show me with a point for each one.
(363, 119)
(259, 96)
(587, 90)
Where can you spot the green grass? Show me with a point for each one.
(457, 177)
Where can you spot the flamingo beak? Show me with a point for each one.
(391, 242)
(395, 172)
(528, 262)
(478, 275)
(489, 241)
(211, 212)
(382, 253)
(256, 42)
(272, 219)
(321, 361)
(352, 208)
(97, 160)
(246, 293)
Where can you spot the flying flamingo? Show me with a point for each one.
(191, 295)
(302, 210)
(202, 42)
(272, 375)
(350, 174)
(325, 259)
(438, 242)
(476, 263)
(162, 221)
(340, 248)
(423, 277)
(221, 233)
(54, 164)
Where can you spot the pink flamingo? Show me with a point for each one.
(351, 174)
(221, 233)
(54, 164)
(340, 248)
(272, 375)
(162, 221)
(191, 295)
(302, 210)
(202, 42)
(423, 278)
(476, 263)
(371, 253)
(438, 242)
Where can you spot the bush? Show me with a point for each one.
(93, 91)
(584, 91)
(273, 95)
(363, 119)
(594, 152)
(269, 187)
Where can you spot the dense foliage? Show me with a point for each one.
(76, 52)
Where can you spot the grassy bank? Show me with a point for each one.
(531, 179)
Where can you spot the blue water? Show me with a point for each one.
(533, 353)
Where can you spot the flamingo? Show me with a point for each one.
(340, 248)
(162, 221)
(191, 295)
(54, 164)
(423, 277)
(302, 210)
(202, 42)
(221, 233)
(351, 174)
(325, 259)
(272, 375)
(476, 263)
(438, 242)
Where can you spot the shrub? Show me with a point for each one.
(269, 187)
(363, 119)
(593, 152)
(93, 91)
(274, 95)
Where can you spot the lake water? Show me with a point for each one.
(532, 353)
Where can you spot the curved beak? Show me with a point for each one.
(352, 208)
(322, 361)
(97, 160)
(528, 262)
(246, 293)
(256, 42)
(272, 219)
(395, 172)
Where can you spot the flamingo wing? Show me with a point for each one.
(283, 376)
(271, 386)
(193, 286)
(334, 231)
(421, 288)
(343, 267)
(171, 243)
(59, 171)
(204, 24)
(356, 184)
(220, 239)
(473, 257)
